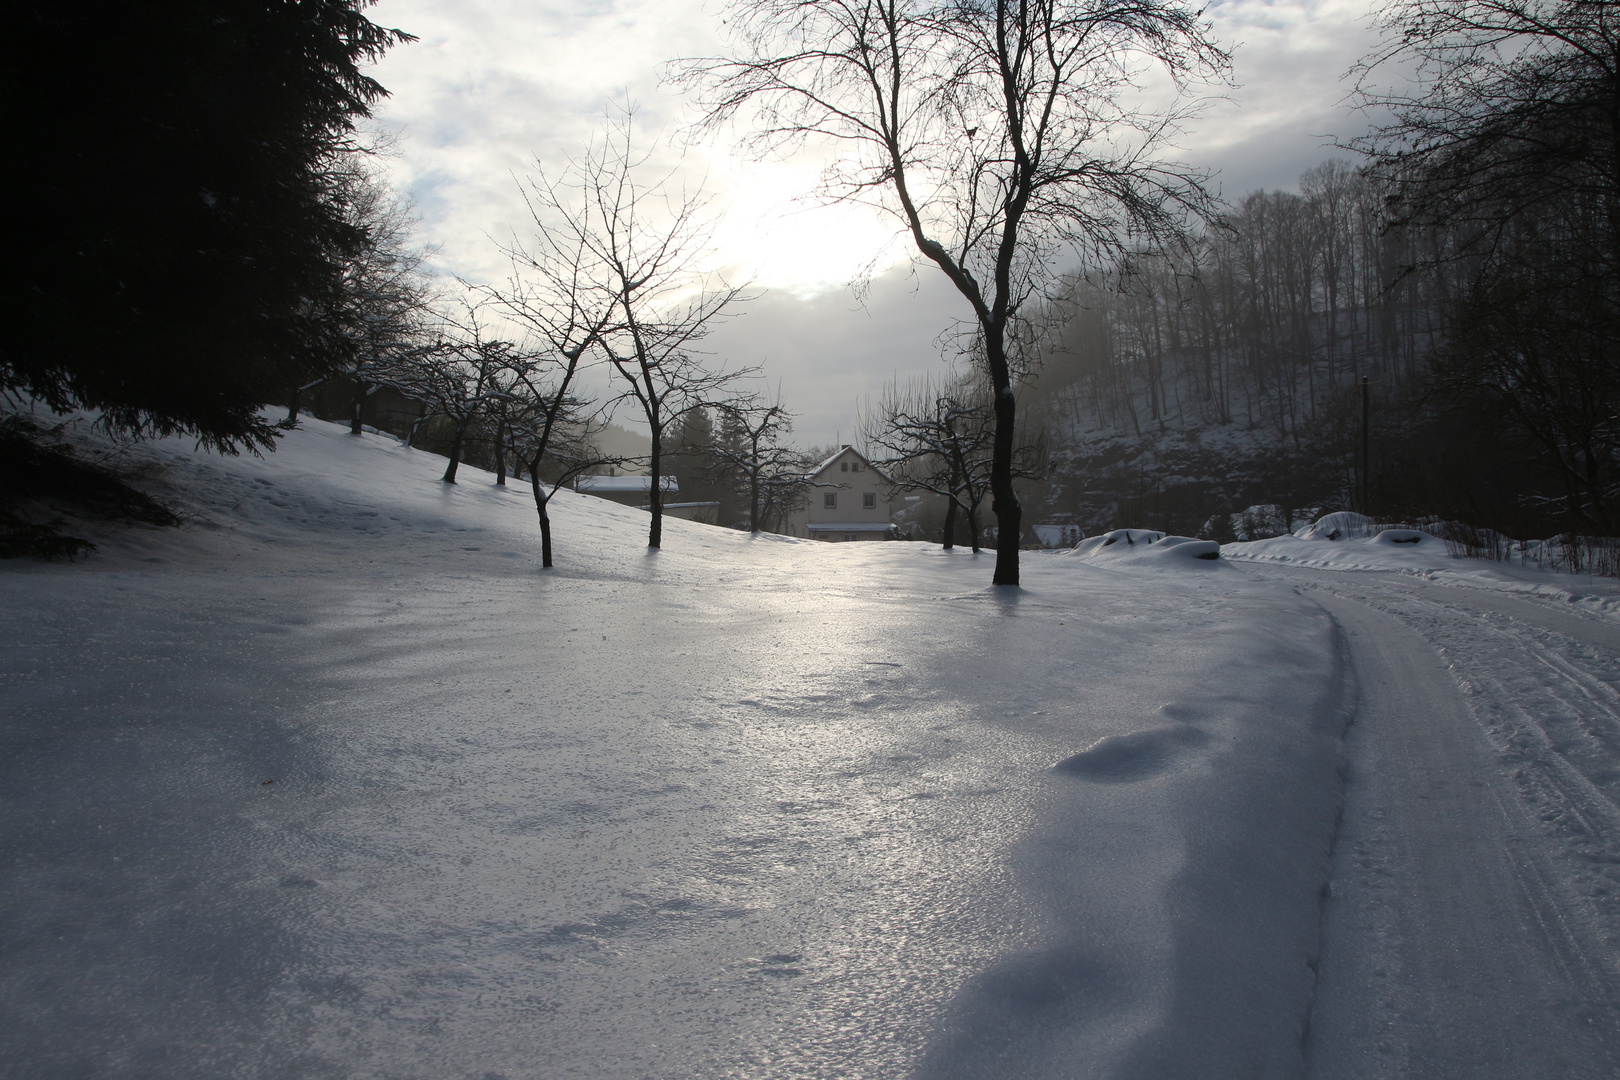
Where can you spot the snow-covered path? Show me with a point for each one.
(1473, 925)
(335, 782)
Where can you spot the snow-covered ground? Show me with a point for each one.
(336, 781)
(1419, 554)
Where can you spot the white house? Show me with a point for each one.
(850, 501)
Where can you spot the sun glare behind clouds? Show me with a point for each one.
(495, 87)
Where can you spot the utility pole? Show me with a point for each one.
(1366, 446)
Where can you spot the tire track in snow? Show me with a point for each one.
(1545, 699)
(1471, 931)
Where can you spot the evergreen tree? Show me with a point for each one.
(691, 461)
(179, 230)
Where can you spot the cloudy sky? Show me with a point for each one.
(496, 86)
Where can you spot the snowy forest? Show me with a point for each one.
(1190, 385)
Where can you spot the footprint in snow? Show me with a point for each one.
(1141, 755)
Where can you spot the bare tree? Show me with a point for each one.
(1513, 112)
(556, 290)
(750, 447)
(787, 488)
(1002, 135)
(1509, 141)
(941, 439)
(553, 436)
(384, 299)
(458, 375)
(637, 275)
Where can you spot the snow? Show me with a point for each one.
(1349, 541)
(1377, 552)
(638, 485)
(335, 780)
(1142, 547)
(1345, 541)
(1471, 926)
(1339, 525)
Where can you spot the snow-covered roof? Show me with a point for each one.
(852, 526)
(819, 469)
(641, 484)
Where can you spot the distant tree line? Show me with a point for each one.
(1469, 269)
(1257, 331)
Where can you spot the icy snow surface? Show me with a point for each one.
(336, 781)
(1401, 550)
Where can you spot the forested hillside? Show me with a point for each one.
(1188, 386)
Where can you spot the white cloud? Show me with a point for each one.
(1289, 106)
(494, 86)
(829, 352)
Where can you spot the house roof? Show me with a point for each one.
(854, 452)
(627, 484)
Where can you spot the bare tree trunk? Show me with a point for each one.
(655, 496)
(455, 453)
(421, 415)
(357, 403)
(950, 524)
(973, 536)
(500, 454)
(542, 504)
(1003, 499)
(753, 498)
(292, 406)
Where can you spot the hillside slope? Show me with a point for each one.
(334, 780)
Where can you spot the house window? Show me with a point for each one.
(854, 466)
(869, 500)
(830, 500)
(843, 466)
(852, 536)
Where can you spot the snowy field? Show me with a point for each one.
(335, 782)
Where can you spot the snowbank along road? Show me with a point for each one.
(336, 782)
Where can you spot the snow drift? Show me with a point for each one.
(1144, 547)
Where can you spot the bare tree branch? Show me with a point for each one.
(1001, 135)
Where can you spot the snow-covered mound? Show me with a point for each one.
(1145, 546)
(1422, 554)
(1341, 525)
(1120, 759)
(336, 780)
(1401, 550)
(1350, 541)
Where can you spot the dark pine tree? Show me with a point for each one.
(177, 228)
